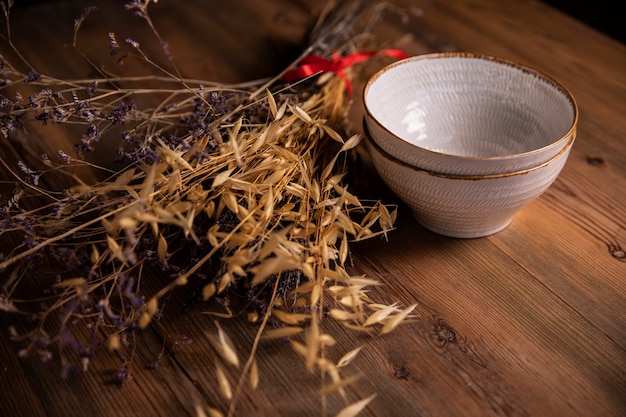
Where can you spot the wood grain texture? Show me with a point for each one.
(527, 322)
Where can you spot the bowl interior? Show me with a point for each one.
(469, 105)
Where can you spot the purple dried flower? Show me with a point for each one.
(14, 200)
(166, 50)
(92, 90)
(139, 6)
(43, 98)
(81, 108)
(122, 376)
(114, 47)
(121, 112)
(91, 135)
(129, 136)
(127, 285)
(92, 132)
(150, 156)
(59, 115)
(8, 124)
(57, 210)
(66, 158)
(104, 307)
(43, 117)
(129, 255)
(5, 103)
(24, 168)
(180, 143)
(32, 77)
(132, 43)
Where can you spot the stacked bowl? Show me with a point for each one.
(467, 140)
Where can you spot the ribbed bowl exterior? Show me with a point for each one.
(465, 206)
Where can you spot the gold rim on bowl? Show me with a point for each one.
(569, 135)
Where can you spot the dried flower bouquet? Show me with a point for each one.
(235, 191)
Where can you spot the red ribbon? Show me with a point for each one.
(315, 64)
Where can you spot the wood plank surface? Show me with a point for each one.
(528, 322)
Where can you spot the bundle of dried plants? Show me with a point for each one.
(236, 190)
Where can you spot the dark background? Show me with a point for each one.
(605, 15)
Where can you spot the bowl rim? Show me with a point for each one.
(394, 160)
(475, 55)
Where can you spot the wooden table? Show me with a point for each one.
(528, 322)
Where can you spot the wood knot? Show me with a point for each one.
(400, 371)
(595, 160)
(444, 333)
(618, 253)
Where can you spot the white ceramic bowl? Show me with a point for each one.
(465, 206)
(468, 114)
